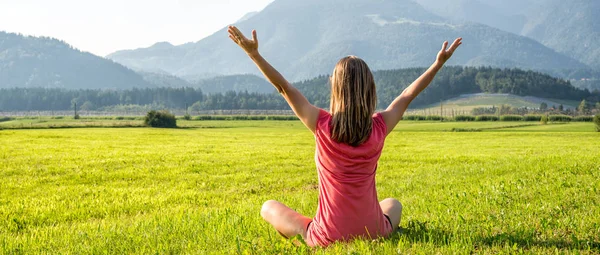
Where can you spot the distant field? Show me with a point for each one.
(466, 103)
(413, 126)
(199, 189)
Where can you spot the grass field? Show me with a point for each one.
(199, 189)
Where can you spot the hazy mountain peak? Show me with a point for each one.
(162, 45)
(247, 16)
(306, 38)
(383, 21)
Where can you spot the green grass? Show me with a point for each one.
(199, 190)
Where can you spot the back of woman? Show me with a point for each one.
(348, 204)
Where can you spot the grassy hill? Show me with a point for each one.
(465, 103)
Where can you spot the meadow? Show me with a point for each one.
(511, 188)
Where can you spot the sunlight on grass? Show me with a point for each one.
(199, 190)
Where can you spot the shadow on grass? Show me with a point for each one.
(424, 232)
(529, 241)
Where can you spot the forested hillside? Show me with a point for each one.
(449, 83)
(27, 61)
(454, 81)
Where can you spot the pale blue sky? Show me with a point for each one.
(105, 26)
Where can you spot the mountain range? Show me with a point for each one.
(27, 61)
(306, 38)
(569, 27)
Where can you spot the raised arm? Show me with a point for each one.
(393, 114)
(307, 112)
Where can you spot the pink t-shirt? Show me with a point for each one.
(348, 205)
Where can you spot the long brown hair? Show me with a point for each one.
(353, 101)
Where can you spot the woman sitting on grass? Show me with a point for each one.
(349, 141)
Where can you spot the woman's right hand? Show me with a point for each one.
(249, 46)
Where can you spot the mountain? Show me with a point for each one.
(507, 15)
(238, 83)
(220, 84)
(246, 17)
(164, 80)
(137, 60)
(306, 38)
(569, 27)
(27, 61)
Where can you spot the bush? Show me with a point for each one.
(414, 117)
(187, 117)
(57, 117)
(160, 119)
(464, 118)
(532, 118)
(119, 118)
(283, 118)
(434, 117)
(209, 117)
(486, 118)
(560, 118)
(3, 119)
(239, 117)
(544, 119)
(597, 122)
(257, 117)
(76, 117)
(203, 118)
(584, 119)
(511, 118)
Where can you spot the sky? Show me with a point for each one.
(105, 26)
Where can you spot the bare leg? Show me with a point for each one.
(288, 222)
(392, 208)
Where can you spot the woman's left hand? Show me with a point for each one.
(249, 46)
(446, 53)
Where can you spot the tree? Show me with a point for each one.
(504, 109)
(598, 106)
(543, 106)
(597, 122)
(196, 107)
(87, 106)
(561, 107)
(545, 119)
(583, 107)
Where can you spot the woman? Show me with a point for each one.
(349, 141)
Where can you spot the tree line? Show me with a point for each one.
(449, 83)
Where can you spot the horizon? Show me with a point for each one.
(102, 28)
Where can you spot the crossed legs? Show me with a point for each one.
(286, 221)
(290, 223)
